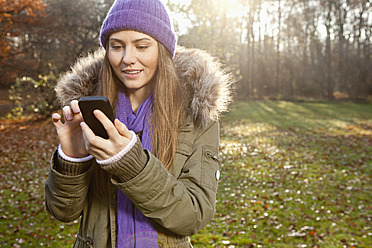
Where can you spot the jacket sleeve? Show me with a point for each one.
(66, 193)
(181, 205)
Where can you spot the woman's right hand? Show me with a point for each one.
(69, 132)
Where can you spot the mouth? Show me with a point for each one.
(132, 72)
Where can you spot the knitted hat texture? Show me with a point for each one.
(146, 16)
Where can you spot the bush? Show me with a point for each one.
(30, 96)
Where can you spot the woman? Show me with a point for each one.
(154, 181)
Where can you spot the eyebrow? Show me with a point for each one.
(135, 41)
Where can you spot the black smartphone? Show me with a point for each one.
(88, 105)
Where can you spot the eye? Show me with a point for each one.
(142, 47)
(116, 47)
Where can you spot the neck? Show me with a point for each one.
(137, 97)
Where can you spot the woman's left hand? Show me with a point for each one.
(100, 148)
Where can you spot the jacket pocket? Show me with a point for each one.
(182, 155)
(210, 168)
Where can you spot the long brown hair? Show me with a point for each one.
(168, 108)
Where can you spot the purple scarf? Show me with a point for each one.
(134, 229)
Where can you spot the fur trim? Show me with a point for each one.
(81, 80)
(209, 86)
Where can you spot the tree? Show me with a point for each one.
(65, 30)
(73, 30)
(15, 17)
(274, 48)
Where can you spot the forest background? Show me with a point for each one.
(276, 49)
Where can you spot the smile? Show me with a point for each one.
(132, 74)
(131, 71)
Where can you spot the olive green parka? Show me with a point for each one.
(180, 201)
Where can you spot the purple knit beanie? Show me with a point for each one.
(146, 16)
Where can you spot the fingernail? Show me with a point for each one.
(121, 123)
(82, 124)
(70, 117)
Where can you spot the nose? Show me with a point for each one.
(129, 56)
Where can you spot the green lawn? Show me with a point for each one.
(293, 175)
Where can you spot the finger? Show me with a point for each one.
(75, 106)
(67, 113)
(56, 118)
(86, 142)
(89, 135)
(122, 129)
(94, 145)
(107, 124)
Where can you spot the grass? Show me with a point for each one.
(293, 175)
(25, 149)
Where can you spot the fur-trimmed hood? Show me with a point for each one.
(209, 86)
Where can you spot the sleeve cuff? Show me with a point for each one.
(73, 160)
(68, 168)
(122, 153)
(130, 165)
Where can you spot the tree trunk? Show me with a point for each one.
(329, 79)
(278, 49)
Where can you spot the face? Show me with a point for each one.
(134, 59)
